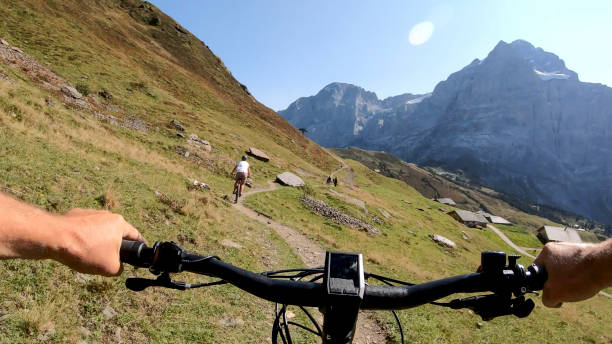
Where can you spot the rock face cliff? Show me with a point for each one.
(518, 121)
(340, 112)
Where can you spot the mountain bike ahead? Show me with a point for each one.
(243, 171)
(339, 290)
(237, 190)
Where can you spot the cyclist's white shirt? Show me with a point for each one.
(242, 166)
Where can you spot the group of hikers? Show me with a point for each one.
(332, 180)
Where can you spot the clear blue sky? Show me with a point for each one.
(283, 50)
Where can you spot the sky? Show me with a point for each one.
(282, 50)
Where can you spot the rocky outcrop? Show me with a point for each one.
(194, 140)
(341, 112)
(321, 208)
(129, 122)
(71, 92)
(518, 121)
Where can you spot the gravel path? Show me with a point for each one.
(509, 242)
(369, 330)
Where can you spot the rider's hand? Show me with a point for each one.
(575, 271)
(91, 239)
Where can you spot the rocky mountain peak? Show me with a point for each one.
(346, 93)
(519, 107)
(546, 65)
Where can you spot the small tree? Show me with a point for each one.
(303, 130)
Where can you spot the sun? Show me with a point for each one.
(421, 33)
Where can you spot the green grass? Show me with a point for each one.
(588, 236)
(520, 236)
(58, 160)
(405, 251)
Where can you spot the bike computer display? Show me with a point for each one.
(344, 274)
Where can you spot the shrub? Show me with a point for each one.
(83, 89)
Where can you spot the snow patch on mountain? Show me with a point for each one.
(419, 99)
(550, 75)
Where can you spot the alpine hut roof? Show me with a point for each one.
(468, 216)
(447, 201)
(553, 233)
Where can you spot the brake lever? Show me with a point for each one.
(492, 306)
(164, 280)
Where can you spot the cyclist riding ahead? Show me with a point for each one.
(243, 171)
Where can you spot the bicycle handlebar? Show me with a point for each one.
(502, 279)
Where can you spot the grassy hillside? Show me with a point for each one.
(58, 156)
(155, 70)
(405, 251)
(467, 196)
(116, 152)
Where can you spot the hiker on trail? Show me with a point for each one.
(329, 180)
(335, 181)
(243, 171)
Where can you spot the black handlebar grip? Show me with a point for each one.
(536, 277)
(135, 253)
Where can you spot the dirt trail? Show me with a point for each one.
(369, 330)
(509, 242)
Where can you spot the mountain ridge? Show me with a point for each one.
(520, 106)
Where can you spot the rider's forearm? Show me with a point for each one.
(28, 232)
(602, 255)
(85, 240)
(576, 272)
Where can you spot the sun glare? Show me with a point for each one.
(420, 33)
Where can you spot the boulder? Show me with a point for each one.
(289, 179)
(71, 92)
(257, 154)
(105, 94)
(177, 125)
(442, 241)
